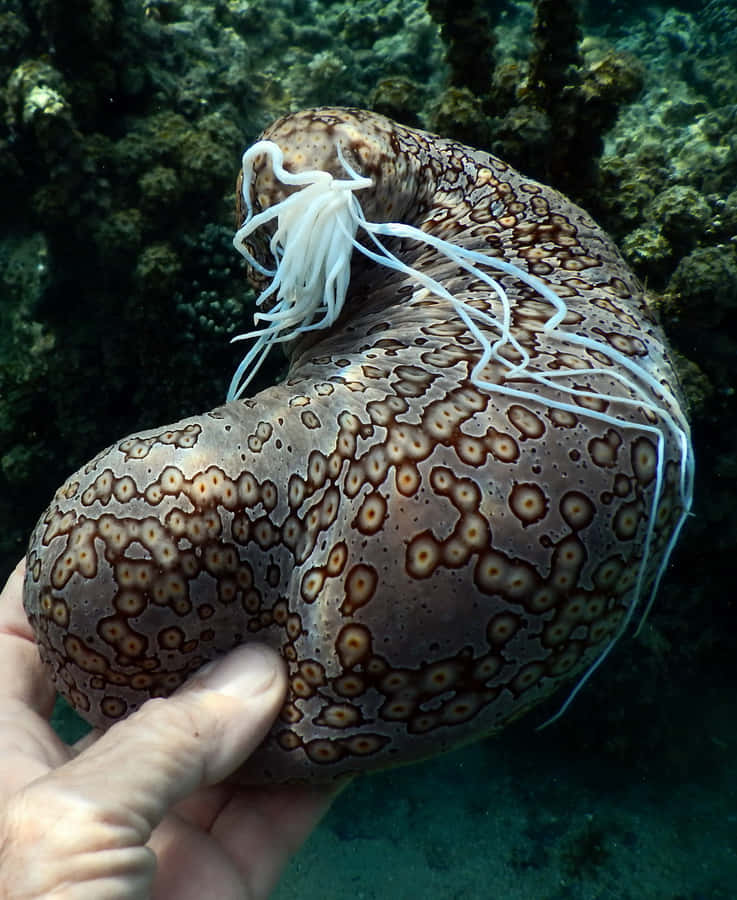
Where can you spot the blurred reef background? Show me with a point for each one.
(121, 131)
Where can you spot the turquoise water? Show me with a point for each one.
(119, 289)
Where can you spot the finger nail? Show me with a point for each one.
(244, 672)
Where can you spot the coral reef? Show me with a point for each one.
(547, 117)
(99, 192)
(667, 194)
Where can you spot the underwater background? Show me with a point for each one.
(120, 138)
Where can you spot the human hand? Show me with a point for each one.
(139, 811)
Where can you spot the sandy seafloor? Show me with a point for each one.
(525, 818)
(620, 802)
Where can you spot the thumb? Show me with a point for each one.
(157, 756)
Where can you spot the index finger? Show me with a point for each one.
(22, 674)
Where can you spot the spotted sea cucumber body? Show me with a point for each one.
(431, 558)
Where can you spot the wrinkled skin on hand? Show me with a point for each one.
(142, 811)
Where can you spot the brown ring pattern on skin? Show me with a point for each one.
(431, 558)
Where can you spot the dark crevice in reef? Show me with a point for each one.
(547, 118)
(466, 30)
